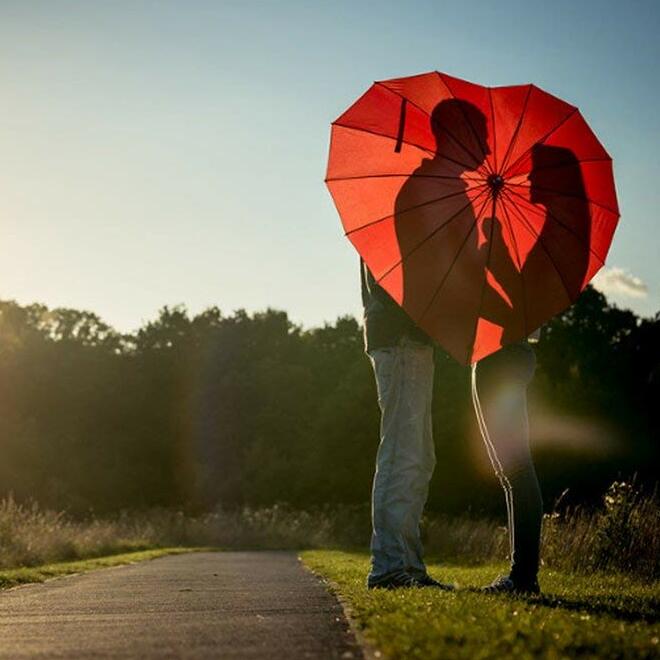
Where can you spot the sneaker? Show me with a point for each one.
(505, 585)
(427, 581)
(396, 580)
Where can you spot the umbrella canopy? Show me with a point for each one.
(482, 211)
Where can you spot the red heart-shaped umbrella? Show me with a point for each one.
(482, 211)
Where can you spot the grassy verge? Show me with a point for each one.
(16, 576)
(596, 616)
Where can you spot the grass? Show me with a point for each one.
(26, 574)
(602, 615)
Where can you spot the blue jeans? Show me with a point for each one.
(405, 458)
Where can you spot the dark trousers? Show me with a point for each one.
(499, 394)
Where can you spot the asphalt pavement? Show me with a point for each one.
(197, 605)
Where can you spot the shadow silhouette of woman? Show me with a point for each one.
(556, 183)
(499, 382)
(556, 266)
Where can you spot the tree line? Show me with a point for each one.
(195, 411)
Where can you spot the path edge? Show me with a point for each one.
(369, 650)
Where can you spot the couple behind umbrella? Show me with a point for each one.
(475, 207)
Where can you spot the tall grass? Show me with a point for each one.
(30, 536)
(623, 535)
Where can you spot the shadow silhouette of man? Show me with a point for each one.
(437, 228)
(402, 354)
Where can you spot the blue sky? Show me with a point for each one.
(165, 152)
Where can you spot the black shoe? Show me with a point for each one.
(427, 581)
(396, 580)
(505, 585)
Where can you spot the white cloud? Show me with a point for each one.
(618, 281)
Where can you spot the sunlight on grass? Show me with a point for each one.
(602, 615)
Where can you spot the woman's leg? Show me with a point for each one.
(499, 391)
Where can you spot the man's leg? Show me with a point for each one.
(405, 458)
(424, 370)
(500, 399)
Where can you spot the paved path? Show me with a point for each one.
(199, 605)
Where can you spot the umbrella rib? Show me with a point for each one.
(428, 152)
(451, 135)
(454, 260)
(469, 123)
(414, 208)
(483, 284)
(402, 174)
(549, 214)
(522, 218)
(540, 141)
(558, 165)
(514, 137)
(433, 233)
(494, 129)
(401, 96)
(520, 266)
(564, 194)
